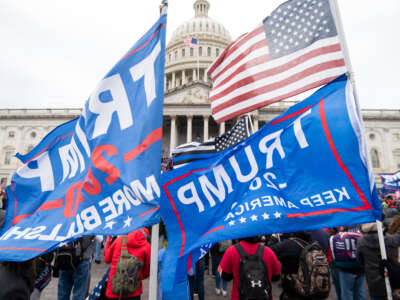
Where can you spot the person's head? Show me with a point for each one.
(394, 225)
(252, 239)
(304, 235)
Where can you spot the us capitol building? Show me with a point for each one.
(187, 113)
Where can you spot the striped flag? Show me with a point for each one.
(295, 49)
(191, 42)
(194, 151)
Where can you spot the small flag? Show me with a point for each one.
(191, 42)
(194, 151)
(295, 49)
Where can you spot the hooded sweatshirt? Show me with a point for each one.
(137, 246)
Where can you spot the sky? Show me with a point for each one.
(54, 52)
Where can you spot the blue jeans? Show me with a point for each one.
(78, 280)
(98, 251)
(335, 279)
(196, 282)
(216, 259)
(352, 286)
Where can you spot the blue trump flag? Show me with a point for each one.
(304, 170)
(391, 181)
(99, 173)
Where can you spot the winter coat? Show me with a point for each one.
(137, 246)
(368, 253)
(14, 286)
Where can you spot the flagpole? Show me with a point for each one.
(155, 230)
(339, 25)
(198, 61)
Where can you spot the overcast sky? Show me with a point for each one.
(54, 52)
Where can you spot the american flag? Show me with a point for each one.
(191, 42)
(295, 49)
(194, 151)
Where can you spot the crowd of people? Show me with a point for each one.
(305, 263)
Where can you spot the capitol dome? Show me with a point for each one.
(199, 25)
(185, 65)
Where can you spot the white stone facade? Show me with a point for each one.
(187, 114)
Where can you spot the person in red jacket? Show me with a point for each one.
(231, 260)
(137, 246)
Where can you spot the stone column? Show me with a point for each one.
(165, 83)
(189, 119)
(255, 122)
(183, 77)
(205, 75)
(205, 128)
(221, 128)
(172, 141)
(194, 74)
(173, 80)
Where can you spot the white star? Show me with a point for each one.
(242, 220)
(109, 225)
(254, 218)
(277, 215)
(265, 216)
(127, 222)
(62, 244)
(231, 223)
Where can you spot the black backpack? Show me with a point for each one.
(69, 256)
(253, 274)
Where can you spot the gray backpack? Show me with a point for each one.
(126, 278)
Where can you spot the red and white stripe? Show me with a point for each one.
(245, 78)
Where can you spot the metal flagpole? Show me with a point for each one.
(198, 61)
(155, 230)
(339, 25)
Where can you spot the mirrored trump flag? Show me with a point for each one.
(96, 174)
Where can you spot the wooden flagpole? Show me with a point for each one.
(155, 230)
(339, 25)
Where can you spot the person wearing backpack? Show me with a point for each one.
(350, 272)
(252, 266)
(305, 268)
(129, 256)
(73, 262)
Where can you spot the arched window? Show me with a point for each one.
(200, 51)
(217, 52)
(191, 52)
(375, 158)
(183, 52)
(176, 55)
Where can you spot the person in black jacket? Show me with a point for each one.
(17, 280)
(368, 253)
(288, 253)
